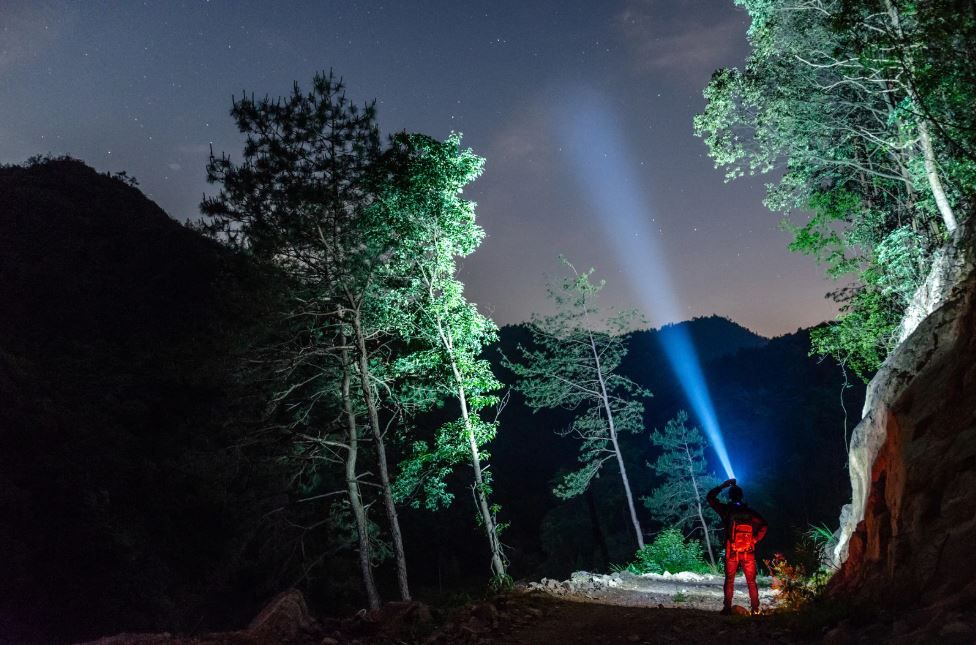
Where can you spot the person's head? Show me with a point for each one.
(735, 493)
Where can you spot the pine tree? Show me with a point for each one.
(572, 364)
(680, 500)
(298, 200)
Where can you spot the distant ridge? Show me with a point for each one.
(713, 337)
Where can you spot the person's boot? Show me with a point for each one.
(726, 610)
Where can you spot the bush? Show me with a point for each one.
(795, 588)
(670, 553)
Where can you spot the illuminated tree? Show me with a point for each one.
(572, 364)
(679, 501)
(298, 200)
(445, 334)
(859, 104)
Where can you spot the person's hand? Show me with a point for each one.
(728, 482)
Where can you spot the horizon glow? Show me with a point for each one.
(600, 159)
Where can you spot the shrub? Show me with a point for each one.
(670, 553)
(815, 547)
(795, 588)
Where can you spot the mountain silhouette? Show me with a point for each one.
(121, 501)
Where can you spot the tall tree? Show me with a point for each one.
(680, 500)
(572, 364)
(298, 199)
(858, 105)
(422, 191)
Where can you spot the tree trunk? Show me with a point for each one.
(478, 488)
(481, 497)
(374, 422)
(355, 495)
(925, 139)
(616, 446)
(932, 174)
(708, 539)
(698, 507)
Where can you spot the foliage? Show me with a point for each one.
(572, 364)
(902, 261)
(421, 184)
(814, 549)
(418, 187)
(865, 333)
(680, 500)
(794, 587)
(501, 583)
(297, 201)
(857, 105)
(670, 552)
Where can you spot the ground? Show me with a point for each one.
(589, 608)
(685, 590)
(624, 608)
(588, 621)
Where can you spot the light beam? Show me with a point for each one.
(599, 155)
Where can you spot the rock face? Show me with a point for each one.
(908, 535)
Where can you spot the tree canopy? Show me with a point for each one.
(573, 363)
(855, 105)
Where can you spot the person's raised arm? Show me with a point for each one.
(712, 496)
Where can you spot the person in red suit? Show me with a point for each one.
(744, 529)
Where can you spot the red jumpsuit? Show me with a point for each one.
(742, 514)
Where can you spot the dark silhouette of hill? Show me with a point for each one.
(122, 505)
(712, 336)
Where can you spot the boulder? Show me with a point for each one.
(283, 619)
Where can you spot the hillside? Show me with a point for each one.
(122, 504)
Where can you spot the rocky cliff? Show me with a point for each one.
(908, 535)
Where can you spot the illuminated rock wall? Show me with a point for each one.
(910, 530)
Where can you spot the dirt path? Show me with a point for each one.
(574, 620)
(683, 590)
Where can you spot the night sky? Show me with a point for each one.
(146, 87)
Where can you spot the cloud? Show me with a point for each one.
(685, 37)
